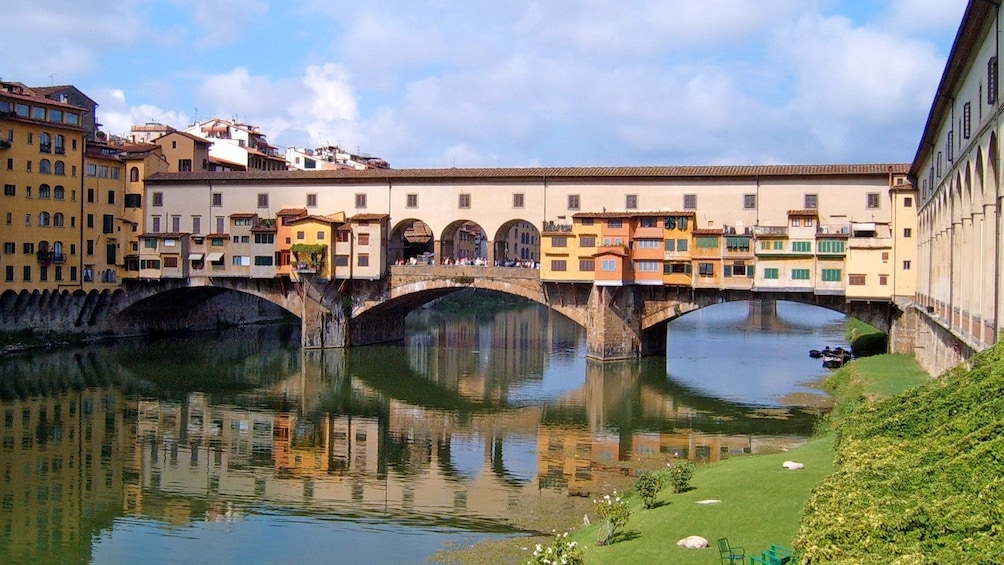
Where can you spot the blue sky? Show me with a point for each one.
(509, 84)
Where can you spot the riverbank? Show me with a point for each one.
(761, 501)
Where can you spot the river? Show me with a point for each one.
(238, 447)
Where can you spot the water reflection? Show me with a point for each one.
(109, 449)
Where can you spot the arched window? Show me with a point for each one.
(45, 142)
(43, 218)
(43, 246)
(44, 192)
(58, 193)
(134, 174)
(60, 168)
(57, 252)
(57, 220)
(45, 166)
(60, 144)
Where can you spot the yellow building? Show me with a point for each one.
(677, 234)
(313, 247)
(42, 156)
(106, 233)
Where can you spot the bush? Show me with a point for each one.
(649, 485)
(680, 473)
(561, 551)
(615, 512)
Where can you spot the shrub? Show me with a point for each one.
(649, 485)
(680, 473)
(615, 512)
(561, 551)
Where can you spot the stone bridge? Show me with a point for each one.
(620, 321)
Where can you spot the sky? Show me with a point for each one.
(474, 83)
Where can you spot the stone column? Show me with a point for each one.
(320, 327)
(613, 326)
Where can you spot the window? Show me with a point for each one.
(176, 223)
(906, 265)
(689, 202)
(364, 239)
(907, 232)
(9, 247)
(649, 243)
(134, 174)
(264, 238)
(967, 113)
(559, 241)
(44, 219)
(217, 200)
(185, 165)
(158, 198)
(45, 142)
(872, 200)
(706, 269)
(171, 262)
(320, 235)
(856, 280)
(587, 241)
(59, 168)
(9, 190)
(883, 280)
(608, 265)
(341, 260)
(360, 200)
(156, 224)
(518, 200)
(771, 273)
(811, 201)
(149, 243)
(737, 244)
(411, 201)
(559, 265)
(29, 248)
(8, 275)
(749, 201)
(587, 265)
(670, 245)
(108, 223)
(800, 274)
(801, 246)
(615, 224)
(831, 246)
(649, 266)
(682, 244)
(45, 166)
(133, 200)
(111, 197)
(573, 201)
(263, 260)
(26, 273)
(263, 200)
(831, 275)
(631, 202)
(705, 242)
(464, 201)
(363, 260)
(311, 201)
(648, 222)
(992, 80)
(300, 235)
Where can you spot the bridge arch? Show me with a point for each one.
(517, 240)
(411, 237)
(462, 239)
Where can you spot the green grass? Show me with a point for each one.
(888, 375)
(761, 504)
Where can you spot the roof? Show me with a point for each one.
(194, 138)
(164, 235)
(543, 174)
(707, 231)
(291, 212)
(315, 218)
(368, 217)
(243, 215)
(804, 212)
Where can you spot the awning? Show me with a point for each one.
(215, 257)
(195, 256)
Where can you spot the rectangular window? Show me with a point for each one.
(992, 80)
(559, 265)
(801, 246)
(320, 236)
(950, 146)
(649, 243)
(811, 201)
(608, 265)
(872, 200)
(135, 201)
(706, 269)
(670, 245)
(573, 201)
(689, 201)
(831, 246)
(518, 200)
(967, 116)
(341, 236)
(749, 201)
(196, 224)
(263, 260)
(9, 190)
(883, 280)
(263, 200)
(220, 224)
(360, 201)
(8, 247)
(185, 165)
(856, 280)
(559, 241)
(906, 265)
(264, 238)
(411, 201)
(831, 275)
(149, 243)
(311, 201)
(587, 241)
(464, 201)
(771, 273)
(363, 260)
(217, 200)
(155, 224)
(737, 244)
(341, 260)
(8, 275)
(631, 201)
(908, 202)
(364, 239)
(705, 242)
(107, 223)
(907, 232)
(800, 274)
(614, 224)
(682, 244)
(170, 262)
(648, 222)
(649, 266)
(587, 265)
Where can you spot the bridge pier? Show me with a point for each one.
(321, 327)
(614, 325)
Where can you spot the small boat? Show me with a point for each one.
(815, 353)
(833, 362)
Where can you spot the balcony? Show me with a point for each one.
(771, 230)
(48, 257)
(556, 227)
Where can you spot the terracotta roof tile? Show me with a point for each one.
(806, 212)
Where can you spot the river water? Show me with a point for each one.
(238, 447)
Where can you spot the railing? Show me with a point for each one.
(830, 229)
(556, 227)
(770, 230)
